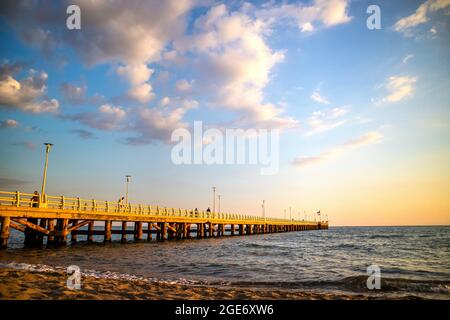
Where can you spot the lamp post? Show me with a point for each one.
(264, 209)
(126, 194)
(214, 199)
(48, 146)
(218, 197)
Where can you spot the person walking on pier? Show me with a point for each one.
(120, 203)
(35, 200)
(208, 212)
(196, 213)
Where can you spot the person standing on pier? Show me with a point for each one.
(35, 200)
(196, 213)
(208, 212)
(120, 203)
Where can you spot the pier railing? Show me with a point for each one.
(21, 199)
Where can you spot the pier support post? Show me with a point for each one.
(170, 233)
(138, 230)
(163, 231)
(61, 231)
(187, 231)
(73, 235)
(210, 230)
(201, 230)
(108, 226)
(124, 231)
(149, 231)
(241, 229)
(40, 236)
(51, 228)
(232, 230)
(90, 236)
(30, 234)
(4, 235)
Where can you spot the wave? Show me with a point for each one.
(359, 284)
(353, 284)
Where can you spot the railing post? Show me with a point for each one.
(93, 205)
(62, 202)
(17, 199)
(107, 206)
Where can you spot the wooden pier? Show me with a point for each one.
(61, 219)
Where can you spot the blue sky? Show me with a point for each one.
(363, 113)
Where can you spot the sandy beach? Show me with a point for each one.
(26, 285)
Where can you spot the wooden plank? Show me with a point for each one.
(31, 226)
(16, 226)
(78, 225)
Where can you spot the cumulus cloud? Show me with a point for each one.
(367, 139)
(72, 93)
(107, 117)
(10, 123)
(320, 13)
(183, 85)
(420, 16)
(157, 123)
(130, 33)
(27, 94)
(235, 64)
(399, 88)
(83, 134)
(321, 121)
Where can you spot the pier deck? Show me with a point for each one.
(57, 217)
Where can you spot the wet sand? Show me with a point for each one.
(26, 285)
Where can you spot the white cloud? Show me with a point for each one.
(321, 13)
(107, 117)
(28, 94)
(135, 73)
(235, 64)
(367, 139)
(421, 16)
(321, 121)
(164, 101)
(138, 75)
(183, 85)
(74, 94)
(316, 96)
(156, 124)
(407, 58)
(399, 88)
(10, 123)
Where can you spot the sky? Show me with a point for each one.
(362, 114)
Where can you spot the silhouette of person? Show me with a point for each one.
(120, 203)
(35, 200)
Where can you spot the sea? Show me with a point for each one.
(410, 262)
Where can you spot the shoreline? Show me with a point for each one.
(33, 285)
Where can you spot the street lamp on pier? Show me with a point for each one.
(128, 177)
(48, 146)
